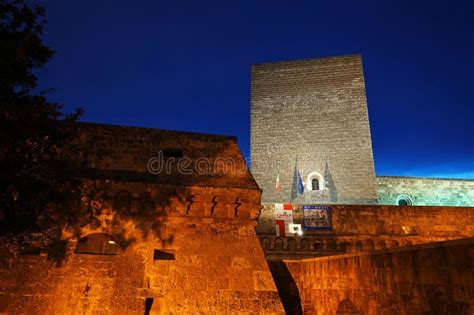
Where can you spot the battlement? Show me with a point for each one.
(181, 241)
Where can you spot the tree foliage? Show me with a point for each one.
(38, 147)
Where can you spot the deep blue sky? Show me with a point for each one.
(185, 66)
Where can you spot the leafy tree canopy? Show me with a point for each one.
(38, 151)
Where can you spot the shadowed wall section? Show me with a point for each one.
(286, 286)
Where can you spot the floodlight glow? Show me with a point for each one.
(296, 229)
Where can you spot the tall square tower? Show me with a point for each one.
(310, 116)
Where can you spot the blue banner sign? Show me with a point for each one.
(317, 218)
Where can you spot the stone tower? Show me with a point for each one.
(311, 115)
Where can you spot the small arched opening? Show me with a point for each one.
(404, 200)
(304, 244)
(265, 242)
(291, 244)
(314, 182)
(123, 202)
(317, 246)
(278, 244)
(146, 205)
(97, 244)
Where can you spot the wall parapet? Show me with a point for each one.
(378, 220)
(434, 278)
(295, 247)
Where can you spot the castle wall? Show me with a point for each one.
(196, 159)
(312, 114)
(376, 220)
(426, 191)
(365, 228)
(183, 243)
(434, 278)
(218, 265)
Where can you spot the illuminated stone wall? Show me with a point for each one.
(377, 259)
(170, 243)
(366, 228)
(373, 220)
(219, 265)
(436, 278)
(312, 114)
(425, 191)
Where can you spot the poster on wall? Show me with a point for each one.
(283, 219)
(317, 218)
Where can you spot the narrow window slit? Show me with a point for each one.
(163, 255)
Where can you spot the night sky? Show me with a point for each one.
(186, 66)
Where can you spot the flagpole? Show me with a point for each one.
(278, 184)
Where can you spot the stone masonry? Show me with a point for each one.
(179, 228)
(435, 278)
(426, 191)
(312, 115)
(365, 228)
(168, 243)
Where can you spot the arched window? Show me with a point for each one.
(265, 244)
(304, 244)
(291, 244)
(98, 244)
(404, 200)
(314, 182)
(278, 244)
(146, 205)
(123, 202)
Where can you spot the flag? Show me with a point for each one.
(297, 187)
(300, 184)
(283, 217)
(277, 183)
